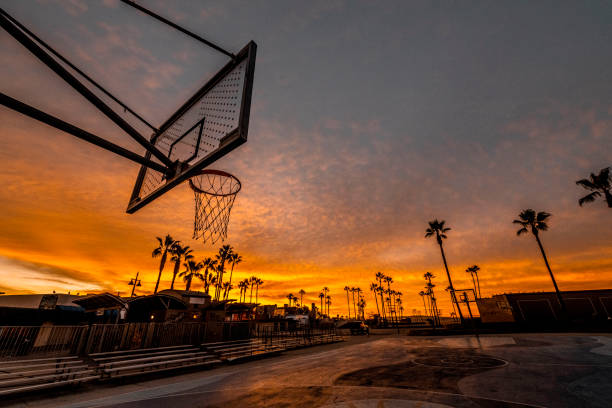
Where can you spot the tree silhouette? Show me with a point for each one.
(438, 229)
(179, 253)
(192, 270)
(599, 184)
(533, 222)
(164, 246)
(473, 271)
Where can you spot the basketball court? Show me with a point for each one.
(526, 370)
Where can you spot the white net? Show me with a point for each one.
(215, 192)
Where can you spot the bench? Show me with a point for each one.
(19, 376)
(144, 361)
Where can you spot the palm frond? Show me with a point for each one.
(586, 184)
(522, 231)
(589, 198)
(542, 216)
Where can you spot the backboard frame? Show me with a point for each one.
(229, 142)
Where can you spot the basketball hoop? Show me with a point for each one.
(214, 192)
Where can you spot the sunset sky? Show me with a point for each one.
(368, 120)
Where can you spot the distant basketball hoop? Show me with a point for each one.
(214, 192)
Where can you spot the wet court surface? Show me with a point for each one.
(545, 370)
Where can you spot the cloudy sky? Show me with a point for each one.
(369, 119)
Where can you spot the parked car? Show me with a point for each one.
(356, 328)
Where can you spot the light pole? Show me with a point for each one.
(133, 283)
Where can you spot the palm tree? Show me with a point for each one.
(290, 297)
(348, 302)
(209, 279)
(225, 252)
(164, 246)
(359, 291)
(374, 289)
(257, 283)
(227, 287)
(422, 295)
(380, 276)
(302, 292)
(192, 270)
(328, 303)
(599, 184)
(529, 220)
(473, 270)
(321, 296)
(179, 253)
(243, 285)
(252, 282)
(438, 229)
(234, 258)
(353, 290)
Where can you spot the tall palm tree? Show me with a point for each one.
(164, 247)
(533, 222)
(422, 295)
(242, 285)
(179, 253)
(321, 296)
(358, 291)
(234, 258)
(473, 270)
(302, 292)
(438, 229)
(209, 278)
(227, 287)
(374, 289)
(290, 297)
(353, 290)
(257, 283)
(225, 252)
(379, 277)
(192, 270)
(348, 302)
(328, 303)
(252, 282)
(599, 184)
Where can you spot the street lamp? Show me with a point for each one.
(133, 283)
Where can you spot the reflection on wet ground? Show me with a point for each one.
(395, 371)
(476, 341)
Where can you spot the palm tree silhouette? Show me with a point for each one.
(321, 296)
(234, 258)
(192, 270)
(328, 303)
(348, 302)
(529, 220)
(290, 297)
(164, 246)
(225, 252)
(599, 184)
(438, 229)
(209, 278)
(374, 289)
(302, 292)
(422, 295)
(252, 282)
(353, 290)
(257, 283)
(179, 253)
(242, 285)
(473, 270)
(380, 276)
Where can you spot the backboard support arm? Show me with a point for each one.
(178, 27)
(57, 123)
(49, 61)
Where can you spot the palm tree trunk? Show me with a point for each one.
(478, 282)
(251, 297)
(348, 303)
(256, 293)
(376, 300)
(354, 307)
(162, 262)
(450, 282)
(474, 282)
(608, 198)
(177, 265)
(561, 302)
(188, 283)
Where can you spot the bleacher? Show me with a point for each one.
(231, 351)
(134, 362)
(23, 375)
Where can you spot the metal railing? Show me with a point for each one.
(16, 341)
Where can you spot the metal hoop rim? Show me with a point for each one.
(216, 173)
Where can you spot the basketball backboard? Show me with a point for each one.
(212, 123)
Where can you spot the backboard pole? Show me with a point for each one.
(178, 27)
(44, 57)
(57, 123)
(84, 75)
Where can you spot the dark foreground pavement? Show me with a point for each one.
(522, 370)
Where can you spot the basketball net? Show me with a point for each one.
(214, 192)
